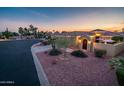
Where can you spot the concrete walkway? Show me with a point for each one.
(41, 74)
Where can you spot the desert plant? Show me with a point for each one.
(52, 41)
(79, 53)
(33, 30)
(99, 53)
(54, 52)
(63, 42)
(118, 65)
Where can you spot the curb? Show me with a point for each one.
(40, 71)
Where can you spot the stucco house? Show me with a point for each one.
(100, 39)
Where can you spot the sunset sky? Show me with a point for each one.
(69, 19)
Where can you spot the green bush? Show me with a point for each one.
(79, 53)
(118, 38)
(120, 76)
(118, 65)
(99, 53)
(55, 52)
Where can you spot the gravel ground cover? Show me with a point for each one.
(90, 71)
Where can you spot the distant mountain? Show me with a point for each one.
(105, 32)
(98, 30)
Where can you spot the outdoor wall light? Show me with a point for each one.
(79, 40)
(89, 42)
(98, 34)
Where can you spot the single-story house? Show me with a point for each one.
(100, 39)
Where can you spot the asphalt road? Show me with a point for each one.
(16, 63)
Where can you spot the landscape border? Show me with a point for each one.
(40, 71)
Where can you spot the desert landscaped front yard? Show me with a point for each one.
(77, 71)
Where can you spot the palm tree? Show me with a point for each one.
(21, 31)
(26, 31)
(33, 30)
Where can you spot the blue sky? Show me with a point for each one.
(68, 19)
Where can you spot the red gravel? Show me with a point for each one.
(77, 71)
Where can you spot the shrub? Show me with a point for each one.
(100, 53)
(120, 76)
(62, 42)
(118, 64)
(55, 52)
(79, 53)
(118, 38)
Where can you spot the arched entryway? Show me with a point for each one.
(84, 44)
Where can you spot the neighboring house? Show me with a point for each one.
(100, 39)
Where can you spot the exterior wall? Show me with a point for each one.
(119, 48)
(112, 50)
(77, 41)
(106, 37)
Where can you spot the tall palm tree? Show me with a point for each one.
(33, 30)
(21, 31)
(26, 31)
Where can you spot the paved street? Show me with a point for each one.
(16, 63)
